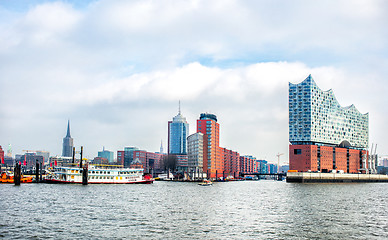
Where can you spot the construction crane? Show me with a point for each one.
(278, 155)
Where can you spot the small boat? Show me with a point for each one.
(205, 183)
(8, 177)
(98, 174)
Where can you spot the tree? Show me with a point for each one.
(170, 162)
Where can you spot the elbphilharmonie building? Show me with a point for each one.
(324, 135)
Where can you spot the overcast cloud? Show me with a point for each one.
(117, 69)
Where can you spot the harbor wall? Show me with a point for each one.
(306, 177)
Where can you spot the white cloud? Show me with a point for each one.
(194, 80)
(120, 66)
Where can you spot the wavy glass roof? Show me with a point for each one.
(316, 116)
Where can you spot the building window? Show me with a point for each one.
(297, 151)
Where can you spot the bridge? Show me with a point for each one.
(278, 176)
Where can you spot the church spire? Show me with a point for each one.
(68, 129)
(67, 150)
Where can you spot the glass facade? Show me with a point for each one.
(128, 155)
(315, 117)
(106, 154)
(177, 136)
(195, 150)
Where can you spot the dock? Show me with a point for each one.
(307, 177)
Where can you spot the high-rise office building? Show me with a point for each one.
(195, 155)
(213, 163)
(45, 155)
(323, 135)
(109, 155)
(67, 150)
(128, 155)
(195, 150)
(178, 130)
(29, 159)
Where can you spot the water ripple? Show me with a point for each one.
(168, 210)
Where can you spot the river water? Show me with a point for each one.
(177, 210)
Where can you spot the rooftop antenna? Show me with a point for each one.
(179, 110)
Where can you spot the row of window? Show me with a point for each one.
(105, 177)
(103, 172)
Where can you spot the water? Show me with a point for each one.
(174, 210)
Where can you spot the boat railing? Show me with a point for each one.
(108, 166)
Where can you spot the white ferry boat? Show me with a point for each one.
(98, 175)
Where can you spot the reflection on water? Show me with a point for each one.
(174, 210)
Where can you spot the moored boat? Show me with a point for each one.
(98, 174)
(8, 177)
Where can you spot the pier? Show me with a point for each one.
(306, 177)
(277, 176)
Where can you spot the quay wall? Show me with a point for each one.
(306, 177)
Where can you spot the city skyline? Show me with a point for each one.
(117, 70)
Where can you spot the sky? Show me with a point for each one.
(117, 69)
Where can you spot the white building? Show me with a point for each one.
(195, 155)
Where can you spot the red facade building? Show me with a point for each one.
(149, 160)
(120, 158)
(247, 164)
(303, 158)
(231, 162)
(325, 158)
(213, 162)
(1, 155)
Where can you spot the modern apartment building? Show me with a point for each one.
(323, 135)
(231, 163)
(213, 163)
(247, 164)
